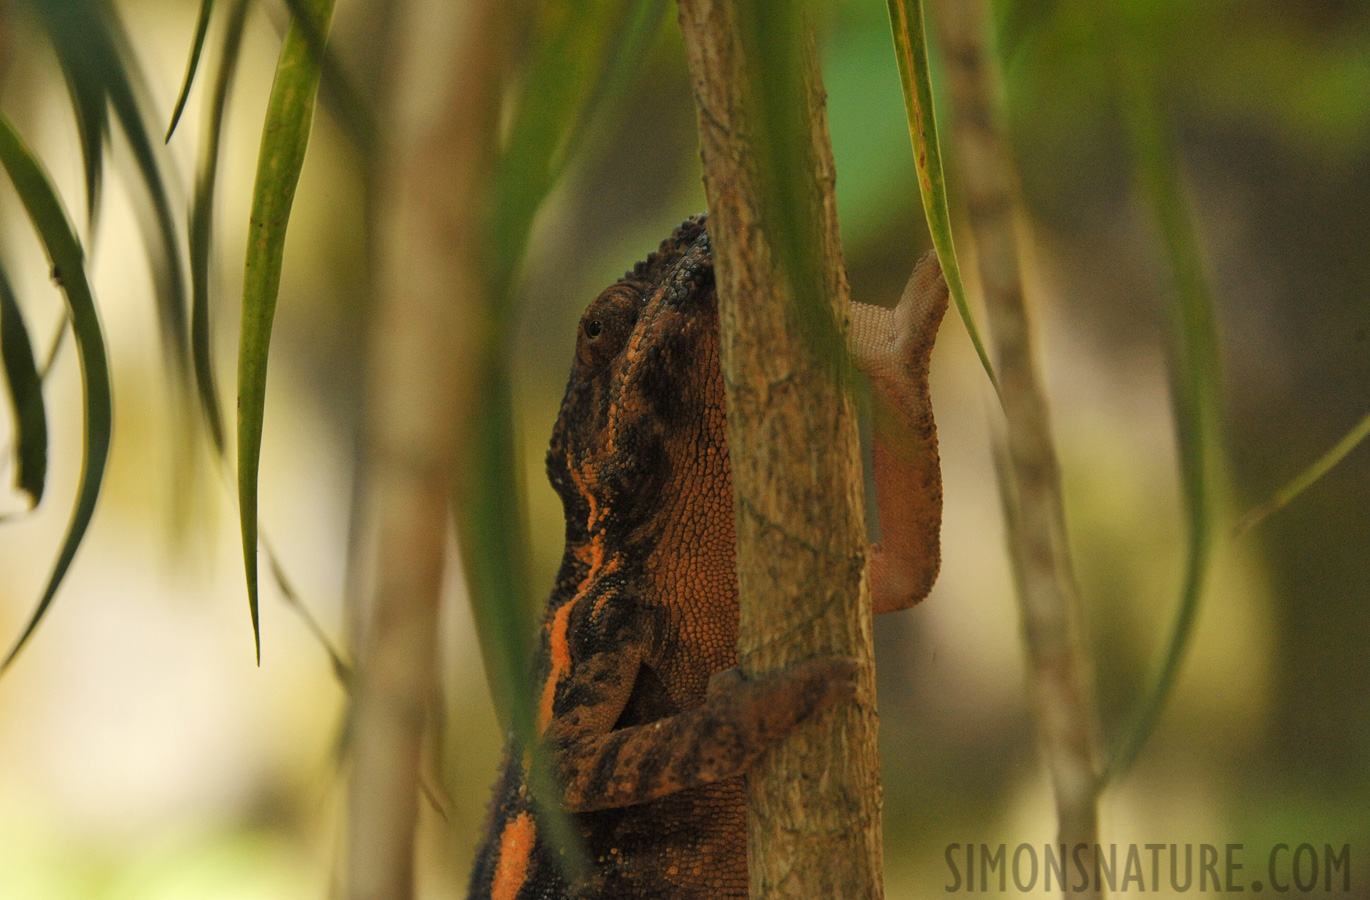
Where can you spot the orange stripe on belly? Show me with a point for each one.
(515, 851)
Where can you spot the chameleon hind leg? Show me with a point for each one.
(893, 347)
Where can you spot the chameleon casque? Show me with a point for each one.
(648, 725)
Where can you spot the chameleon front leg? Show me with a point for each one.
(600, 766)
(893, 347)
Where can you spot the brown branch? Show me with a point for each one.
(427, 341)
(1030, 477)
(813, 803)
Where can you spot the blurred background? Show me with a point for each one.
(143, 754)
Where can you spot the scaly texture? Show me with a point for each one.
(649, 725)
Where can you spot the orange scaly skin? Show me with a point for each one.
(648, 724)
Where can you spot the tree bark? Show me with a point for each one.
(813, 803)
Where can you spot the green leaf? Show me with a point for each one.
(637, 25)
(583, 58)
(201, 242)
(197, 44)
(202, 225)
(495, 548)
(285, 138)
(1194, 357)
(50, 220)
(584, 55)
(91, 106)
(1307, 478)
(911, 52)
(26, 396)
(774, 47)
(100, 67)
(345, 101)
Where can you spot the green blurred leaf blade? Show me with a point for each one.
(1194, 357)
(349, 105)
(583, 57)
(101, 68)
(26, 396)
(54, 228)
(774, 40)
(201, 225)
(197, 45)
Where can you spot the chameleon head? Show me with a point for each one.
(645, 396)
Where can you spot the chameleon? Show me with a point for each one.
(648, 725)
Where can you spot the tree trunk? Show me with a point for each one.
(813, 803)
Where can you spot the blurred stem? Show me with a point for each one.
(429, 330)
(793, 447)
(1030, 477)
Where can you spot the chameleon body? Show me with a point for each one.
(647, 723)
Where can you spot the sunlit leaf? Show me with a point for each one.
(347, 103)
(911, 52)
(26, 397)
(50, 220)
(1194, 359)
(285, 138)
(1307, 478)
(201, 242)
(197, 44)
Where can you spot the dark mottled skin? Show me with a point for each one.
(648, 724)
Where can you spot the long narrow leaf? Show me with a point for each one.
(911, 52)
(582, 60)
(775, 51)
(50, 220)
(26, 397)
(201, 242)
(202, 225)
(579, 53)
(350, 106)
(583, 57)
(1194, 367)
(580, 63)
(1307, 478)
(91, 106)
(197, 45)
(95, 54)
(285, 138)
(626, 53)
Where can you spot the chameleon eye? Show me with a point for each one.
(605, 327)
